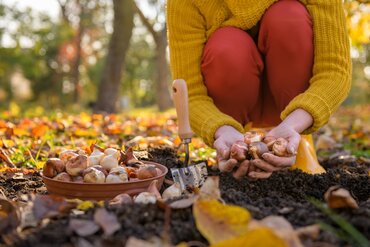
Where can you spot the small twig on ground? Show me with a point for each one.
(2, 194)
(6, 159)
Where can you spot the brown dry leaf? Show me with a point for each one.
(50, 205)
(121, 199)
(310, 232)
(153, 242)
(83, 228)
(218, 222)
(210, 189)
(261, 237)
(338, 197)
(4, 157)
(325, 142)
(81, 242)
(107, 221)
(9, 219)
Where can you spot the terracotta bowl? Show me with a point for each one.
(105, 191)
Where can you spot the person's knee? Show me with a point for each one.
(231, 50)
(286, 14)
(287, 26)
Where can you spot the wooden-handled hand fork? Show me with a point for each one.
(180, 98)
(194, 175)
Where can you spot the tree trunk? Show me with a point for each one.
(163, 99)
(75, 72)
(109, 87)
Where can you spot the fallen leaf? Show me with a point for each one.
(39, 130)
(311, 232)
(282, 228)
(85, 205)
(261, 237)
(218, 222)
(83, 228)
(121, 199)
(338, 197)
(81, 242)
(107, 221)
(50, 205)
(153, 242)
(9, 219)
(5, 158)
(325, 142)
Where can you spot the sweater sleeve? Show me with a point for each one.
(331, 80)
(186, 38)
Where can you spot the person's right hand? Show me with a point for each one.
(225, 137)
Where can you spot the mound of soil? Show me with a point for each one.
(285, 193)
(14, 184)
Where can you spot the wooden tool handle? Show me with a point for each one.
(180, 98)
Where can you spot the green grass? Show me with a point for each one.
(346, 231)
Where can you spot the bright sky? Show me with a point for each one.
(49, 6)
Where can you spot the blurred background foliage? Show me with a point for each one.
(59, 62)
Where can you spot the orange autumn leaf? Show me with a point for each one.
(218, 222)
(261, 237)
(3, 124)
(40, 130)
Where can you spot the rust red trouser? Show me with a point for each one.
(253, 81)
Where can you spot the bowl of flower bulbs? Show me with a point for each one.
(101, 175)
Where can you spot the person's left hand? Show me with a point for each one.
(269, 162)
(294, 124)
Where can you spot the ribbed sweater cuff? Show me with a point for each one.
(211, 125)
(314, 105)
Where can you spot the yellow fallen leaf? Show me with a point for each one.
(20, 132)
(218, 222)
(39, 164)
(85, 205)
(182, 244)
(85, 133)
(261, 237)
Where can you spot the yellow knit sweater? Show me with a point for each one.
(190, 24)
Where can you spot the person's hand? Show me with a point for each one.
(269, 162)
(290, 129)
(225, 137)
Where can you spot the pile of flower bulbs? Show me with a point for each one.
(101, 166)
(255, 144)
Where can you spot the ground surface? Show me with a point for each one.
(284, 193)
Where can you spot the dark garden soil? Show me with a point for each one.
(284, 193)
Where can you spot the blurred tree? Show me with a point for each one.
(140, 68)
(157, 29)
(33, 44)
(109, 86)
(88, 18)
(358, 24)
(54, 53)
